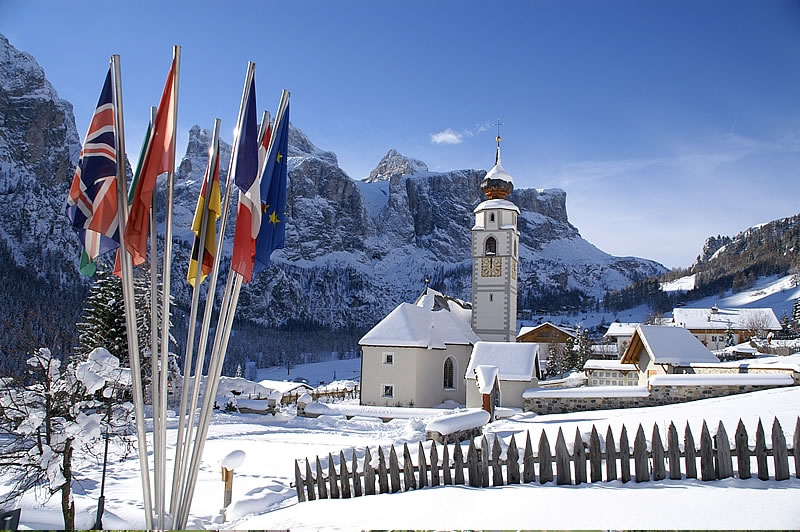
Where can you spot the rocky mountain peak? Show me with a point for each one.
(301, 146)
(393, 164)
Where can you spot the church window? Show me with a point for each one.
(491, 297)
(449, 372)
(491, 246)
(491, 217)
(515, 248)
(388, 358)
(387, 390)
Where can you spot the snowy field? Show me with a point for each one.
(263, 498)
(315, 373)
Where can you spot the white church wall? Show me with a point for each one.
(376, 374)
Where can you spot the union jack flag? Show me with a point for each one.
(92, 200)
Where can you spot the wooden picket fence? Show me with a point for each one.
(716, 462)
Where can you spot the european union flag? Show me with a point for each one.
(272, 235)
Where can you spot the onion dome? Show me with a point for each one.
(498, 183)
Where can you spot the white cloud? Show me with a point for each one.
(448, 136)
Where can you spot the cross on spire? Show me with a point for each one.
(499, 138)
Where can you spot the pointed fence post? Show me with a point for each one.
(659, 472)
(723, 465)
(446, 476)
(562, 461)
(497, 468)
(322, 489)
(742, 451)
(333, 478)
(512, 462)
(356, 480)
(706, 455)
(458, 463)
(673, 453)
(309, 482)
(484, 465)
(624, 456)
(434, 464)
(299, 483)
(691, 452)
(528, 465)
(423, 466)
(611, 456)
(796, 448)
(761, 452)
(369, 474)
(579, 457)
(472, 465)
(383, 475)
(640, 456)
(344, 478)
(779, 453)
(394, 470)
(545, 460)
(409, 482)
(595, 457)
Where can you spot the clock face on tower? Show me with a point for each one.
(491, 267)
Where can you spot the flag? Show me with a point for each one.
(92, 199)
(158, 159)
(214, 210)
(249, 159)
(272, 234)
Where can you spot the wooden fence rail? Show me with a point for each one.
(605, 462)
(329, 396)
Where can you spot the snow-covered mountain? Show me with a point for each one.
(355, 249)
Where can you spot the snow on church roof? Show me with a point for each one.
(514, 361)
(496, 204)
(714, 318)
(433, 322)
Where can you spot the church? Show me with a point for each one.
(419, 355)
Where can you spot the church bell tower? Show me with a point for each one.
(495, 255)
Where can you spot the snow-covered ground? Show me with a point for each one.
(263, 498)
(315, 373)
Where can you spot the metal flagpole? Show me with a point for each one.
(184, 502)
(154, 294)
(128, 296)
(179, 464)
(165, 295)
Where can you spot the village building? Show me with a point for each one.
(515, 365)
(610, 373)
(620, 333)
(416, 355)
(658, 350)
(717, 328)
(544, 336)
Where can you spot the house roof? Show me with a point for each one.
(620, 329)
(608, 364)
(736, 318)
(666, 345)
(525, 331)
(433, 322)
(514, 361)
(486, 376)
(285, 386)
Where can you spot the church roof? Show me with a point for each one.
(496, 204)
(432, 323)
(497, 171)
(514, 361)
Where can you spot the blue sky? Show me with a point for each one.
(665, 122)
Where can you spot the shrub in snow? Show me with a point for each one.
(49, 413)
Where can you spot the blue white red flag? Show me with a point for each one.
(92, 199)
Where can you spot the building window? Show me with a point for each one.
(388, 358)
(491, 246)
(515, 248)
(491, 217)
(387, 390)
(449, 372)
(491, 297)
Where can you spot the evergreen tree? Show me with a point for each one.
(584, 349)
(238, 373)
(796, 313)
(556, 362)
(571, 352)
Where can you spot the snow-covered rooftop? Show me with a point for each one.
(620, 329)
(566, 330)
(608, 364)
(432, 322)
(735, 318)
(514, 361)
(668, 345)
(497, 204)
(486, 376)
(284, 386)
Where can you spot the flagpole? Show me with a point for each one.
(194, 464)
(177, 474)
(165, 301)
(128, 296)
(154, 298)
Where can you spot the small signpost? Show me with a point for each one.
(232, 461)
